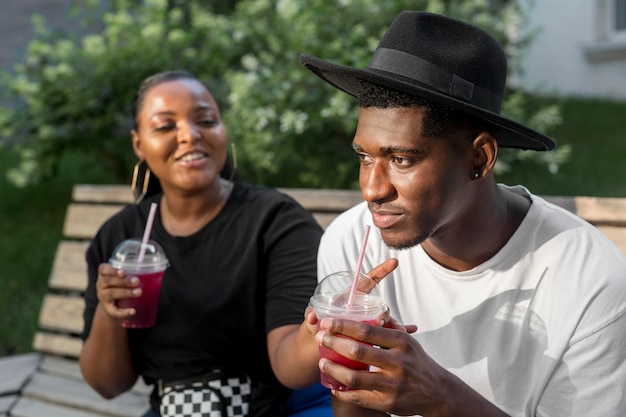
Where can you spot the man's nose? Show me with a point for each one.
(376, 186)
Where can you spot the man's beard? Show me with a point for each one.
(409, 243)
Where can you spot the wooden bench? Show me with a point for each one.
(48, 383)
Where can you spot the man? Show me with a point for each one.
(520, 305)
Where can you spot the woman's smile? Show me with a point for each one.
(193, 159)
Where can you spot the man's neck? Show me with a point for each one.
(481, 233)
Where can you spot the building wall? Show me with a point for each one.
(16, 29)
(576, 52)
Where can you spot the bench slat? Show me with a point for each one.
(15, 371)
(324, 219)
(6, 403)
(28, 407)
(57, 344)
(312, 199)
(590, 208)
(69, 269)
(102, 193)
(82, 221)
(78, 395)
(333, 201)
(69, 368)
(62, 313)
(602, 211)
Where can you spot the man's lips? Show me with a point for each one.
(384, 219)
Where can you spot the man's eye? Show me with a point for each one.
(402, 161)
(364, 158)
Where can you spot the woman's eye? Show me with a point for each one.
(208, 122)
(164, 128)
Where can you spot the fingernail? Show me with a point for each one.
(319, 337)
(136, 291)
(325, 323)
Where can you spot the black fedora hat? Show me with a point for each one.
(444, 60)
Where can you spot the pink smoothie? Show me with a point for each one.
(147, 304)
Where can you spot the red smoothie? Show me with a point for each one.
(332, 383)
(338, 295)
(147, 304)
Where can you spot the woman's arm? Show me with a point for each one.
(294, 354)
(105, 360)
(342, 409)
(293, 350)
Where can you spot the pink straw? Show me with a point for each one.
(357, 272)
(146, 232)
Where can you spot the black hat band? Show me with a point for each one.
(426, 73)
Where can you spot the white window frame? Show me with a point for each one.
(622, 7)
(615, 32)
(609, 42)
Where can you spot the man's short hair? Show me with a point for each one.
(439, 120)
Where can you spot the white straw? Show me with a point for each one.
(146, 232)
(357, 272)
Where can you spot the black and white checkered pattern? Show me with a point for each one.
(225, 397)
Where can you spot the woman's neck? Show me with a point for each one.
(186, 215)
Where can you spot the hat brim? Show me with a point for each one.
(508, 133)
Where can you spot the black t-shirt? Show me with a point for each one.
(250, 270)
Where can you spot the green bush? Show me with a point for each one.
(291, 129)
(77, 92)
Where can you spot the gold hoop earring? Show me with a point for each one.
(141, 180)
(233, 152)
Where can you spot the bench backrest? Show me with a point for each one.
(60, 319)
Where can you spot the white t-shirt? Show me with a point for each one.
(539, 329)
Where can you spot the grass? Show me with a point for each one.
(30, 229)
(31, 222)
(31, 219)
(596, 130)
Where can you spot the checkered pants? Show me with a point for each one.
(222, 397)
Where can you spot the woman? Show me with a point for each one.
(242, 267)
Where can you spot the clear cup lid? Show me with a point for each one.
(126, 256)
(333, 292)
